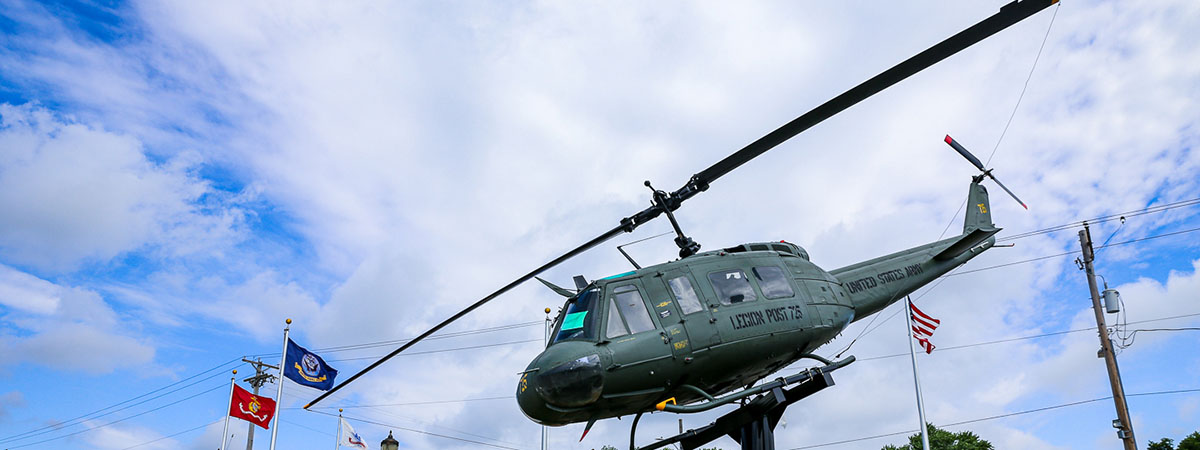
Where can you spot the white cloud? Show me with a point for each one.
(9, 401)
(26, 292)
(430, 155)
(117, 437)
(74, 329)
(73, 193)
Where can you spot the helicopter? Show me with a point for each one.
(699, 332)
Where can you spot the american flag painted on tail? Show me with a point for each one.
(922, 327)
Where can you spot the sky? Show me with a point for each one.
(178, 178)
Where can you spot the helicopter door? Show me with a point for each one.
(631, 333)
(691, 318)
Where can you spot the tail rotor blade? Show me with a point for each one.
(970, 157)
(1010, 193)
(966, 154)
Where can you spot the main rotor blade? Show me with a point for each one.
(592, 243)
(1009, 14)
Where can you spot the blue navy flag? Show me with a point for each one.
(305, 367)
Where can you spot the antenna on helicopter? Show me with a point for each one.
(621, 248)
(986, 172)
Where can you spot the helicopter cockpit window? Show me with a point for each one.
(626, 304)
(578, 322)
(771, 281)
(732, 286)
(685, 295)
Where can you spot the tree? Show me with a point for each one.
(1191, 442)
(1164, 444)
(940, 439)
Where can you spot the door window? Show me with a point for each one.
(732, 286)
(771, 281)
(685, 295)
(616, 326)
(626, 305)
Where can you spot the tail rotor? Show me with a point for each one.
(986, 172)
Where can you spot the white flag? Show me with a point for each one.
(349, 437)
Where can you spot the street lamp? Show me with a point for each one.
(390, 443)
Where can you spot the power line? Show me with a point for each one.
(472, 347)
(418, 431)
(1147, 238)
(1127, 340)
(1036, 336)
(171, 436)
(1026, 86)
(436, 425)
(954, 273)
(430, 402)
(102, 411)
(1103, 219)
(380, 409)
(306, 427)
(60, 425)
(1001, 416)
(219, 386)
(375, 344)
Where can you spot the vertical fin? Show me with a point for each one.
(979, 210)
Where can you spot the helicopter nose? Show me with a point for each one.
(572, 384)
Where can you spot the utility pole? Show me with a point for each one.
(260, 378)
(1123, 425)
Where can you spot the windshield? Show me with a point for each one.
(578, 321)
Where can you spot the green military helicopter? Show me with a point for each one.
(699, 332)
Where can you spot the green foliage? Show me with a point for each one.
(1191, 442)
(940, 439)
(1164, 444)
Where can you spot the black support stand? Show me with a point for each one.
(753, 424)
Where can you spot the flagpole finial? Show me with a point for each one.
(289, 321)
(340, 410)
(235, 371)
(547, 310)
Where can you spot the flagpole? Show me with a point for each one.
(339, 433)
(228, 406)
(912, 351)
(279, 392)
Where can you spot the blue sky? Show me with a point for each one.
(179, 178)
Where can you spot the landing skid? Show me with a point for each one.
(753, 424)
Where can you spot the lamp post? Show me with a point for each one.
(390, 443)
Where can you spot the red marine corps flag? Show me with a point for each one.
(251, 408)
(922, 327)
